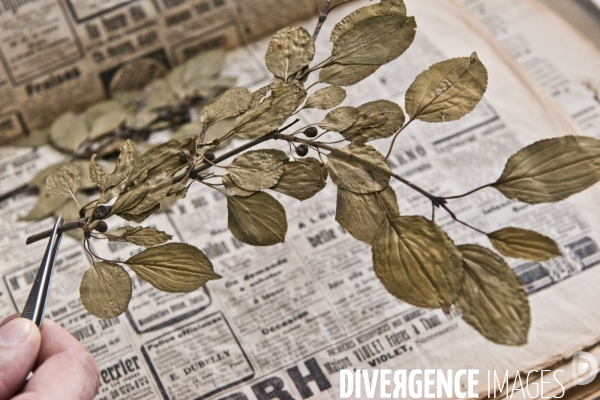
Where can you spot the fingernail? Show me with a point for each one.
(14, 332)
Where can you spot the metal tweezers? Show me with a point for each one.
(34, 308)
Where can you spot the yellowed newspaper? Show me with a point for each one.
(60, 55)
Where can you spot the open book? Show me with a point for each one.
(286, 320)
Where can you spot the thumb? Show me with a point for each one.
(20, 341)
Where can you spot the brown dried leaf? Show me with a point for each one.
(68, 132)
(173, 267)
(326, 98)
(379, 9)
(257, 169)
(139, 235)
(492, 299)
(269, 114)
(64, 182)
(258, 220)
(551, 170)
(359, 168)
(290, 50)
(362, 214)
(339, 119)
(523, 243)
(417, 262)
(375, 40)
(345, 75)
(376, 120)
(231, 103)
(235, 189)
(45, 206)
(105, 290)
(302, 179)
(448, 90)
(107, 123)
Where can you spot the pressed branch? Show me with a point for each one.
(80, 223)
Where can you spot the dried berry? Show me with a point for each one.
(193, 174)
(311, 132)
(184, 155)
(302, 150)
(101, 227)
(210, 156)
(102, 212)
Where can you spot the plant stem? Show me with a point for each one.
(468, 193)
(322, 18)
(237, 150)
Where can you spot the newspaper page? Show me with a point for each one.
(285, 320)
(60, 55)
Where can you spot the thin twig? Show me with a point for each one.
(468, 193)
(322, 18)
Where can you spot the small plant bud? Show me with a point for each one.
(311, 132)
(101, 227)
(101, 212)
(184, 155)
(302, 150)
(193, 174)
(210, 156)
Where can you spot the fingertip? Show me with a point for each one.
(20, 342)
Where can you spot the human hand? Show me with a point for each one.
(62, 367)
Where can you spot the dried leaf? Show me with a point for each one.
(63, 182)
(235, 189)
(258, 220)
(45, 206)
(362, 214)
(70, 210)
(493, 300)
(359, 169)
(448, 90)
(551, 170)
(68, 132)
(162, 158)
(36, 138)
(257, 169)
(139, 218)
(39, 180)
(269, 114)
(376, 120)
(158, 188)
(290, 50)
(139, 235)
(345, 75)
(231, 103)
(375, 40)
(97, 175)
(160, 94)
(107, 123)
(173, 267)
(218, 130)
(523, 243)
(205, 64)
(99, 109)
(379, 9)
(128, 200)
(326, 98)
(302, 179)
(105, 290)
(417, 262)
(117, 181)
(339, 119)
